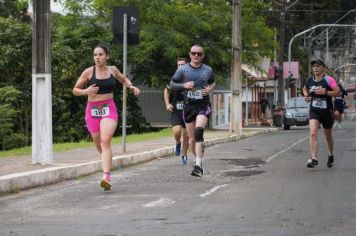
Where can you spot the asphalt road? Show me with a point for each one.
(257, 186)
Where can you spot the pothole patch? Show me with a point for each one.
(243, 173)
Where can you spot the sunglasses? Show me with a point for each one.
(180, 64)
(199, 54)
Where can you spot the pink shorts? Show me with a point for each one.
(96, 111)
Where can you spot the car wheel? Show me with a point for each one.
(286, 127)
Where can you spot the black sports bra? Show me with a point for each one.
(105, 85)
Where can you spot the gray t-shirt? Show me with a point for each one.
(202, 77)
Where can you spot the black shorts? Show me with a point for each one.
(324, 116)
(340, 109)
(177, 118)
(190, 115)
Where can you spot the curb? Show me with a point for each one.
(15, 182)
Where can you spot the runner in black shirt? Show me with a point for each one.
(339, 105)
(319, 91)
(174, 104)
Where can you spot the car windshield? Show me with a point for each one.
(352, 80)
(297, 103)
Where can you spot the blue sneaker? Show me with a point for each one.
(177, 149)
(184, 160)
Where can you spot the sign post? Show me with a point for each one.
(125, 28)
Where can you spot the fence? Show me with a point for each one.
(154, 109)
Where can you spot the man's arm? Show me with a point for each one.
(178, 86)
(208, 89)
(169, 106)
(175, 86)
(307, 98)
(334, 92)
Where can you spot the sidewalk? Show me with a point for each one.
(17, 173)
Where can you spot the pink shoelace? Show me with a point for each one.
(107, 176)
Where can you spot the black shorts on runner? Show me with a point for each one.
(177, 118)
(324, 116)
(191, 114)
(340, 109)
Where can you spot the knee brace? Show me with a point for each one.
(199, 133)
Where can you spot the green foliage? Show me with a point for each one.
(16, 51)
(14, 140)
(169, 28)
(9, 138)
(257, 36)
(15, 69)
(15, 9)
(167, 31)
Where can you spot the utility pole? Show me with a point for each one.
(280, 101)
(124, 89)
(236, 110)
(42, 152)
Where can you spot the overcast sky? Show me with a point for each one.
(55, 7)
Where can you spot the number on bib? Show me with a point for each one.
(179, 106)
(319, 103)
(197, 94)
(100, 111)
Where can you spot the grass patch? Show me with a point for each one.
(58, 147)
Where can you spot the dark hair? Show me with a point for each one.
(104, 47)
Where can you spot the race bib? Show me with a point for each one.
(100, 111)
(196, 94)
(179, 106)
(319, 103)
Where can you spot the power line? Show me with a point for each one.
(304, 10)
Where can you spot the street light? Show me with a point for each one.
(348, 64)
(327, 59)
(306, 31)
(347, 13)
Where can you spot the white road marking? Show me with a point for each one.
(109, 207)
(126, 196)
(162, 202)
(212, 190)
(288, 148)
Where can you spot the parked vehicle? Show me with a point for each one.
(296, 113)
(351, 85)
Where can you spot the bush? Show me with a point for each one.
(15, 140)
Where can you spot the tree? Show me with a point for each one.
(170, 28)
(9, 137)
(15, 69)
(15, 9)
